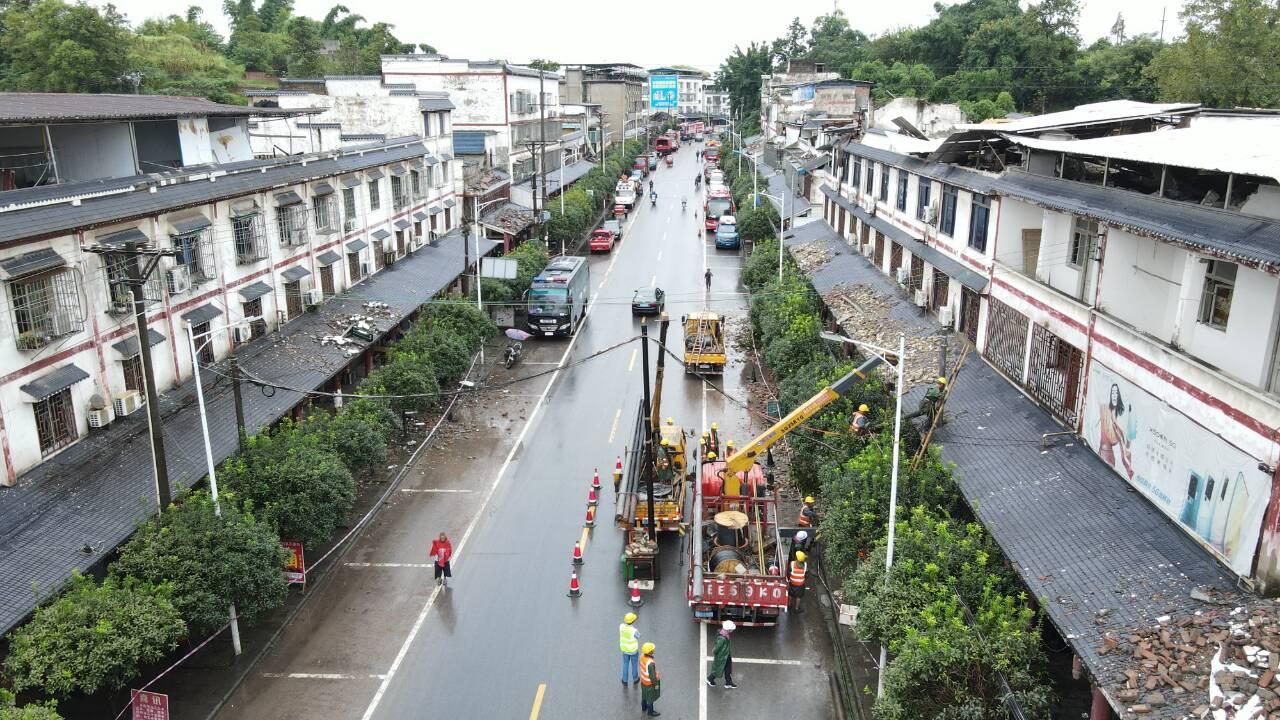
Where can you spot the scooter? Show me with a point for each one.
(513, 354)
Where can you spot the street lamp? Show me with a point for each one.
(208, 447)
(893, 483)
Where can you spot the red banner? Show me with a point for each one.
(150, 705)
(744, 592)
(295, 566)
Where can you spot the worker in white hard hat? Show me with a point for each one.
(800, 542)
(722, 662)
(629, 644)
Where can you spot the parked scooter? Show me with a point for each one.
(515, 350)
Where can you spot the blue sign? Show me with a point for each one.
(664, 90)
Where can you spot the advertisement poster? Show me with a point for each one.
(295, 567)
(663, 90)
(149, 705)
(1208, 486)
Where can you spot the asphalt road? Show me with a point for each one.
(505, 641)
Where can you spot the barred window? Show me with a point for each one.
(248, 236)
(195, 253)
(324, 211)
(398, 199)
(56, 425)
(375, 199)
(116, 268)
(291, 221)
(415, 183)
(46, 307)
(349, 209)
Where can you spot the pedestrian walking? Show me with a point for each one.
(650, 681)
(722, 662)
(442, 553)
(629, 644)
(707, 275)
(795, 591)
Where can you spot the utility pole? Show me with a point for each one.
(235, 394)
(542, 131)
(137, 274)
(648, 453)
(1163, 10)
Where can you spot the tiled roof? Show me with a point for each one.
(85, 107)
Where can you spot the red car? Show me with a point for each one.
(602, 240)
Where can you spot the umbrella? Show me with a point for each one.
(517, 334)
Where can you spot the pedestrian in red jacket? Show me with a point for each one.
(442, 552)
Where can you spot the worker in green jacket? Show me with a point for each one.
(722, 662)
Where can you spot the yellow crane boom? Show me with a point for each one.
(742, 460)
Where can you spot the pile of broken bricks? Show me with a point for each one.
(1220, 663)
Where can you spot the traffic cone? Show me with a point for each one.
(617, 474)
(636, 600)
(591, 497)
(595, 480)
(577, 553)
(574, 590)
(591, 516)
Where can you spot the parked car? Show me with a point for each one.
(615, 227)
(648, 301)
(727, 233)
(602, 240)
(715, 177)
(637, 175)
(653, 162)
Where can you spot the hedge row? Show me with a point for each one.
(582, 209)
(182, 570)
(943, 666)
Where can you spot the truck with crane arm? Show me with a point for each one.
(736, 559)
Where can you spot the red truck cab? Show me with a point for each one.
(719, 203)
(663, 145)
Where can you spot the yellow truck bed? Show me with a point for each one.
(704, 350)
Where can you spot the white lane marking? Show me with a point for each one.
(664, 237)
(702, 665)
(614, 430)
(531, 362)
(388, 565)
(497, 480)
(434, 490)
(322, 676)
(761, 661)
(653, 281)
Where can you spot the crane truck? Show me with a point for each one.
(737, 564)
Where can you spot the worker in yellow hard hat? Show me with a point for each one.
(650, 681)
(860, 424)
(808, 516)
(671, 421)
(931, 403)
(629, 644)
(795, 581)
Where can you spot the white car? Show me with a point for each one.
(716, 177)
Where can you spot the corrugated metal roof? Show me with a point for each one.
(402, 224)
(128, 347)
(1090, 114)
(31, 263)
(468, 142)
(253, 291)
(380, 234)
(295, 273)
(950, 174)
(125, 237)
(356, 246)
(88, 107)
(572, 173)
(202, 314)
(35, 222)
(54, 382)
(189, 223)
(288, 197)
(323, 188)
(328, 257)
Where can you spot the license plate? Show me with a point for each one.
(548, 332)
(707, 614)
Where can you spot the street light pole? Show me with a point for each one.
(208, 455)
(893, 499)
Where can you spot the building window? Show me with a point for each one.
(884, 183)
(55, 422)
(1219, 285)
(871, 178)
(903, 178)
(117, 271)
(444, 174)
(247, 233)
(195, 253)
(415, 183)
(949, 201)
(291, 221)
(979, 216)
(132, 368)
(923, 191)
(349, 209)
(398, 199)
(45, 308)
(1082, 234)
(324, 211)
(857, 173)
(375, 200)
(253, 313)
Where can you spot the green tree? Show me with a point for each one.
(174, 64)
(9, 709)
(544, 64)
(52, 46)
(305, 48)
(1114, 71)
(275, 15)
(191, 26)
(293, 482)
(209, 561)
(358, 434)
(1227, 56)
(740, 75)
(409, 378)
(834, 43)
(791, 45)
(92, 637)
(339, 22)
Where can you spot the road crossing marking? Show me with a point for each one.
(497, 480)
(323, 676)
(434, 490)
(614, 430)
(537, 702)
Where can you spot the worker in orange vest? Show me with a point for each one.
(795, 579)
(650, 681)
(808, 516)
(860, 424)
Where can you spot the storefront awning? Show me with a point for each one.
(128, 347)
(54, 382)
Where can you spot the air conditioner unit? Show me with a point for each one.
(99, 417)
(945, 317)
(178, 279)
(904, 274)
(128, 402)
(243, 334)
(314, 296)
(921, 299)
(931, 213)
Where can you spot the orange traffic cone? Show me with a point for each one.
(591, 497)
(577, 553)
(591, 516)
(617, 474)
(636, 600)
(595, 480)
(574, 590)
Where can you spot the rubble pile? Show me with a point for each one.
(863, 314)
(1220, 663)
(811, 257)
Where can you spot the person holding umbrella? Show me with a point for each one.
(516, 349)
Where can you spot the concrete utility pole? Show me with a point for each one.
(542, 131)
(137, 274)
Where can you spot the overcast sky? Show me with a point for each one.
(648, 33)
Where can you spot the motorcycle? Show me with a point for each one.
(515, 350)
(684, 204)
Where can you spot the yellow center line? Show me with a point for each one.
(582, 542)
(537, 702)
(617, 415)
